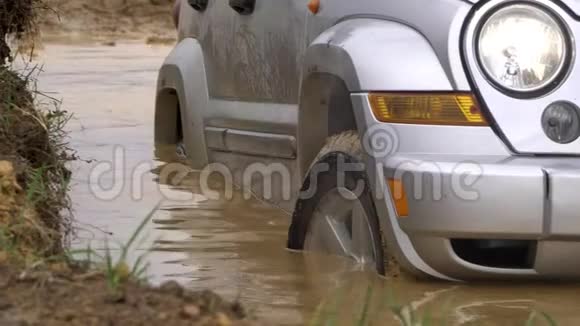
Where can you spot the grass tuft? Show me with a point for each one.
(119, 271)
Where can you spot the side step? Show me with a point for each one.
(251, 142)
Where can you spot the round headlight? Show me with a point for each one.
(522, 48)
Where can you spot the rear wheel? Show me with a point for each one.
(336, 214)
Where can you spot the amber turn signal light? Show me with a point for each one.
(459, 109)
(399, 197)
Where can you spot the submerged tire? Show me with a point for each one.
(322, 220)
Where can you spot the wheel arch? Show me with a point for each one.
(182, 96)
(167, 117)
(353, 56)
(325, 110)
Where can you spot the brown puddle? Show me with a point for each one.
(236, 248)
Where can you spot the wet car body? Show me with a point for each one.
(270, 81)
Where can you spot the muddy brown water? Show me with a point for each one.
(235, 247)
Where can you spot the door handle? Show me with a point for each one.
(199, 5)
(243, 7)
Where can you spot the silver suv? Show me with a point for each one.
(442, 134)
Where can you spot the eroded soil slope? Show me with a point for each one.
(108, 19)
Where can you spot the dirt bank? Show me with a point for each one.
(33, 178)
(60, 295)
(108, 20)
(16, 18)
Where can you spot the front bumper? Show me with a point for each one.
(463, 183)
(471, 197)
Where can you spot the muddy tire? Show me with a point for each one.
(320, 212)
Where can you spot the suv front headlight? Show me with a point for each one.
(522, 48)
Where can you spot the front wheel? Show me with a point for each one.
(335, 213)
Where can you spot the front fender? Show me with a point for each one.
(365, 54)
(377, 55)
(183, 73)
(359, 55)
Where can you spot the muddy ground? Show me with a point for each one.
(61, 295)
(109, 20)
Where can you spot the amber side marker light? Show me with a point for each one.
(399, 197)
(459, 109)
(314, 6)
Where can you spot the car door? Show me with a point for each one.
(251, 57)
(255, 56)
